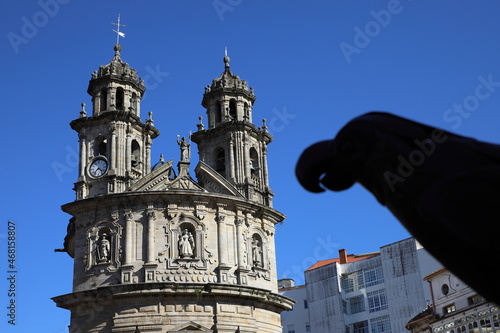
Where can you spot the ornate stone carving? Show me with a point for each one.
(128, 215)
(151, 215)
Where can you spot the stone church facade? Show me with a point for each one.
(155, 250)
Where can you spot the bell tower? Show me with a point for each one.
(115, 144)
(232, 145)
(158, 252)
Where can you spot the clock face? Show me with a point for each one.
(98, 167)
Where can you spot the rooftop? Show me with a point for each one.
(343, 258)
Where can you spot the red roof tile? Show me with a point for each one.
(350, 258)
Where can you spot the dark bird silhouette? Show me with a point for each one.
(443, 187)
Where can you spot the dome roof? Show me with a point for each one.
(117, 69)
(228, 80)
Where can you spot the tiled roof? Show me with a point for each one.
(350, 258)
(431, 275)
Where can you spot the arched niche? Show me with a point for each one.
(135, 158)
(257, 249)
(100, 146)
(103, 245)
(184, 240)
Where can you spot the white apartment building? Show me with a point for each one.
(370, 293)
(295, 320)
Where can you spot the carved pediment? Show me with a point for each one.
(212, 181)
(189, 326)
(184, 183)
(156, 180)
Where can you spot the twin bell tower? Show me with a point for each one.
(154, 249)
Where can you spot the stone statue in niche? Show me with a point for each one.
(103, 249)
(256, 253)
(186, 244)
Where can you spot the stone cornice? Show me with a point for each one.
(161, 197)
(211, 292)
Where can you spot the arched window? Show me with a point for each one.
(232, 109)
(100, 146)
(246, 110)
(135, 157)
(220, 161)
(254, 162)
(103, 100)
(257, 251)
(217, 112)
(133, 102)
(120, 97)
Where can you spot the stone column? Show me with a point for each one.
(128, 268)
(221, 240)
(151, 264)
(128, 237)
(239, 242)
(147, 161)
(128, 151)
(83, 155)
(230, 160)
(151, 217)
(265, 179)
(112, 129)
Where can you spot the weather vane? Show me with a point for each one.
(118, 32)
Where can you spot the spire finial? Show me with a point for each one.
(118, 32)
(83, 113)
(226, 58)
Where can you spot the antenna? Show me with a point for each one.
(118, 32)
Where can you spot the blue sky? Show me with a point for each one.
(314, 66)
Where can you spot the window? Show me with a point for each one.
(133, 101)
(371, 276)
(344, 306)
(360, 327)
(357, 304)
(381, 324)
(217, 112)
(135, 157)
(232, 109)
(445, 289)
(220, 161)
(305, 304)
(103, 99)
(475, 299)
(449, 308)
(290, 328)
(377, 300)
(254, 162)
(120, 96)
(496, 320)
(347, 283)
(362, 279)
(308, 328)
